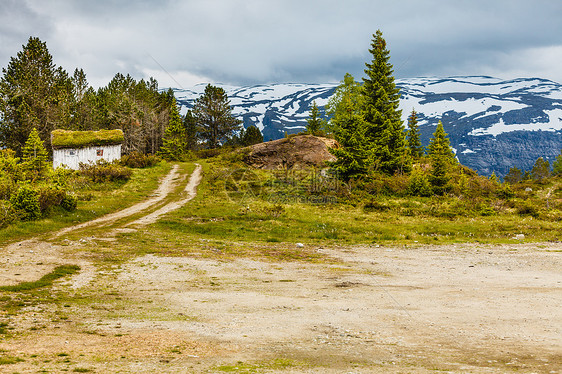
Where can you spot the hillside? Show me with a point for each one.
(493, 124)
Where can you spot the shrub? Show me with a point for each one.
(527, 209)
(50, 196)
(7, 213)
(69, 202)
(61, 176)
(26, 202)
(376, 206)
(137, 159)
(419, 185)
(103, 171)
(505, 192)
(7, 186)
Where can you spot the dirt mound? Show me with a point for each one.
(296, 152)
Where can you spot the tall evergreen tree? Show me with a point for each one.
(541, 169)
(347, 126)
(190, 126)
(174, 145)
(384, 129)
(514, 175)
(252, 136)
(214, 118)
(314, 122)
(442, 159)
(557, 165)
(33, 93)
(414, 142)
(35, 155)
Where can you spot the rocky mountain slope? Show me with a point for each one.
(493, 124)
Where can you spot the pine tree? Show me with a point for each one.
(190, 131)
(557, 165)
(214, 117)
(541, 170)
(33, 93)
(34, 156)
(347, 126)
(174, 145)
(414, 142)
(314, 122)
(514, 175)
(442, 158)
(252, 136)
(384, 129)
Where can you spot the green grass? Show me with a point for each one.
(218, 214)
(10, 360)
(45, 281)
(259, 367)
(103, 199)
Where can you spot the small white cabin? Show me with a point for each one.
(71, 148)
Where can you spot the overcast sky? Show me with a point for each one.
(247, 42)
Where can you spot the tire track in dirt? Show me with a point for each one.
(166, 186)
(191, 192)
(30, 259)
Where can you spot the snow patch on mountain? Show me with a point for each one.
(494, 123)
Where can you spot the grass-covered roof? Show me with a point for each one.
(79, 139)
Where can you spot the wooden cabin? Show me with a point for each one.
(71, 148)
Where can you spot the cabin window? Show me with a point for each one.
(72, 152)
(99, 152)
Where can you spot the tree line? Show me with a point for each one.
(35, 93)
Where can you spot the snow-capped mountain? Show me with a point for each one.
(493, 124)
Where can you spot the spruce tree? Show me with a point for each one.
(414, 142)
(384, 129)
(541, 169)
(174, 145)
(35, 156)
(442, 158)
(251, 136)
(214, 118)
(314, 122)
(347, 126)
(190, 126)
(514, 175)
(33, 93)
(557, 165)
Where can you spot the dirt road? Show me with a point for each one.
(455, 308)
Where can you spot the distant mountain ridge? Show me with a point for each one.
(493, 124)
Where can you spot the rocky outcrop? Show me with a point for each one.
(295, 152)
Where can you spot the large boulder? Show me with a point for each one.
(295, 152)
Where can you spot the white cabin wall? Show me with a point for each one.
(73, 157)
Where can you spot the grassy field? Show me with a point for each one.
(250, 210)
(95, 200)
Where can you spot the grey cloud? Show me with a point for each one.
(256, 41)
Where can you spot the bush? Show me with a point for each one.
(26, 202)
(103, 171)
(137, 159)
(208, 153)
(61, 176)
(50, 196)
(376, 206)
(7, 213)
(419, 185)
(7, 186)
(69, 202)
(527, 209)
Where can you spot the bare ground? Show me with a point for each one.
(455, 308)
